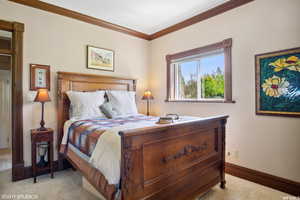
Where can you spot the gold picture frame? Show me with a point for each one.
(100, 58)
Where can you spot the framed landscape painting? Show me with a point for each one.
(99, 58)
(278, 83)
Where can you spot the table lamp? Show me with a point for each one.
(147, 96)
(42, 96)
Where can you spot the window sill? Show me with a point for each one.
(200, 101)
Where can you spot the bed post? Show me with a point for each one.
(59, 125)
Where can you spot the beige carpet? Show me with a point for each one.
(66, 185)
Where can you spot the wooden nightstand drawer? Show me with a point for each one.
(42, 136)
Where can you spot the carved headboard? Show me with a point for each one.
(84, 82)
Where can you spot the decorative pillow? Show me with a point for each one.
(86, 104)
(123, 101)
(108, 110)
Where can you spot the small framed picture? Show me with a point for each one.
(278, 83)
(100, 58)
(39, 77)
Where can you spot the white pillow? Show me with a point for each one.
(123, 101)
(86, 104)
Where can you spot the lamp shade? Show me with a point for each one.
(147, 95)
(42, 96)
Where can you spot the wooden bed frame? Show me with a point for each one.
(177, 161)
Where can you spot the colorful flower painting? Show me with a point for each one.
(278, 83)
(291, 63)
(275, 86)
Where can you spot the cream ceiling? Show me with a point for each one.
(147, 16)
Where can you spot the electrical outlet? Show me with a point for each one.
(228, 155)
(232, 155)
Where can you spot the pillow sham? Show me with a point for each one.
(122, 101)
(86, 104)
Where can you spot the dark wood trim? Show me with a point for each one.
(211, 47)
(76, 15)
(226, 45)
(275, 182)
(201, 17)
(17, 30)
(92, 20)
(17, 98)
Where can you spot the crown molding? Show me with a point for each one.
(92, 20)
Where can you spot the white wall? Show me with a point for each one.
(264, 143)
(61, 43)
(5, 111)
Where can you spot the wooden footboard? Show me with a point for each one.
(177, 161)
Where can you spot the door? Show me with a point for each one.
(5, 109)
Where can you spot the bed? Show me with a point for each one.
(173, 161)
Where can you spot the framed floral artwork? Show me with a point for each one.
(278, 83)
(39, 77)
(100, 58)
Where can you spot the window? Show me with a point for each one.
(201, 75)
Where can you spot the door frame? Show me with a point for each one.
(16, 52)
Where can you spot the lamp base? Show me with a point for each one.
(42, 129)
(42, 123)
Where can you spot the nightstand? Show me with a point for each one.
(41, 138)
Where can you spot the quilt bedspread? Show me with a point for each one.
(84, 134)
